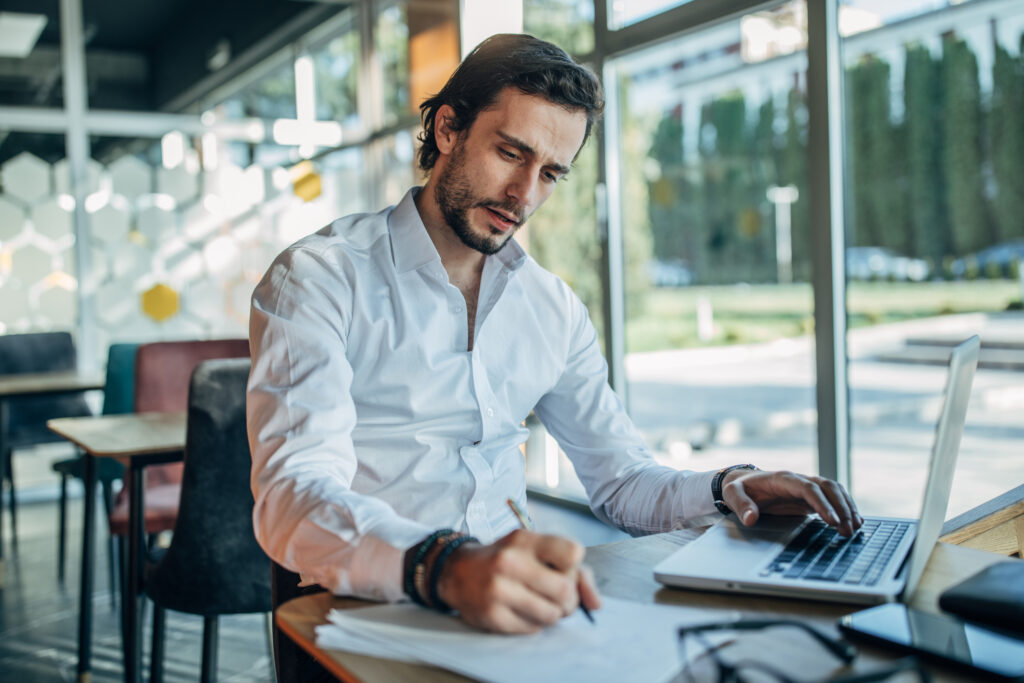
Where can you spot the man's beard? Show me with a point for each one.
(455, 197)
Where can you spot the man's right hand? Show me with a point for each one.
(519, 584)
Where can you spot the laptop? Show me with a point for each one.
(802, 557)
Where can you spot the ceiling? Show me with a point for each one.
(147, 55)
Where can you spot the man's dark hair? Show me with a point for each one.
(531, 65)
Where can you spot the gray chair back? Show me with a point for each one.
(32, 353)
(213, 565)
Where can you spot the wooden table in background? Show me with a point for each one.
(137, 440)
(35, 384)
(625, 570)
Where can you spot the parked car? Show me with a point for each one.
(999, 256)
(671, 273)
(882, 263)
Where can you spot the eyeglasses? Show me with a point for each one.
(744, 670)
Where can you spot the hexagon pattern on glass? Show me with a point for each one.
(26, 177)
(172, 252)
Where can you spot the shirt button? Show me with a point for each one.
(490, 412)
(458, 309)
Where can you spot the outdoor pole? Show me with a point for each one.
(783, 198)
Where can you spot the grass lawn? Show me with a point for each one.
(746, 313)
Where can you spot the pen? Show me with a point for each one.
(525, 523)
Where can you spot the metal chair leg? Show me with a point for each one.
(156, 651)
(268, 622)
(108, 505)
(62, 532)
(12, 500)
(209, 673)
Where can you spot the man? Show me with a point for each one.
(396, 355)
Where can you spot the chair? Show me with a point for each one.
(162, 372)
(213, 565)
(118, 397)
(27, 416)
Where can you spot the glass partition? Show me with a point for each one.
(935, 237)
(709, 151)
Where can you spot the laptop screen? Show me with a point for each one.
(950, 428)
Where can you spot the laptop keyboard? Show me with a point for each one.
(819, 552)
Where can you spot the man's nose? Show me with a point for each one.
(524, 186)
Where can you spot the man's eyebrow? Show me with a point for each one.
(522, 146)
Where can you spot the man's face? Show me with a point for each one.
(500, 170)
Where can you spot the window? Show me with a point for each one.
(336, 74)
(566, 23)
(622, 13)
(709, 155)
(934, 158)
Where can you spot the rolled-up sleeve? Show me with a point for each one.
(300, 416)
(626, 487)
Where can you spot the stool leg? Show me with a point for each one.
(62, 532)
(108, 505)
(12, 500)
(268, 622)
(156, 653)
(209, 674)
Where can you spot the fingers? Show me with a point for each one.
(558, 552)
(587, 587)
(788, 493)
(522, 583)
(742, 505)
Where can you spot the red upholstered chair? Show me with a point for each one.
(162, 374)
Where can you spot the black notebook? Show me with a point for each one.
(993, 596)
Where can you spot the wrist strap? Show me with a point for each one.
(716, 486)
(435, 572)
(415, 564)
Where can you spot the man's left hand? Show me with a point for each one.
(748, 493)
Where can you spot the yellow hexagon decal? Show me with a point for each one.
(306, 183)
(160, 302)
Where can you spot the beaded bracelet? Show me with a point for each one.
(435, 572)
(420, 578)
(422, 550)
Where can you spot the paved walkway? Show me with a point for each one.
(707, 407)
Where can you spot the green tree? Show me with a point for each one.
(926, 207)
(669, 201)
(875, 158)
(563, 237)
(1007, 143)
(566, 23)
(793, 171)
(961, 136)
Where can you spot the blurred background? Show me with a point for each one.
(156, 156)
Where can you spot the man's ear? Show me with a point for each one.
(444, 136)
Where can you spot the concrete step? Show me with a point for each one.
(998, 358)
(950, 342)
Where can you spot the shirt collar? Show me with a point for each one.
(412, 248)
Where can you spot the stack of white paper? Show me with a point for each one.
(629, 642)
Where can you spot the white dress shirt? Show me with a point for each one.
(371, 425)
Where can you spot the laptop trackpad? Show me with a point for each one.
(729, 548)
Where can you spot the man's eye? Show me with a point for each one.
(508, 155)
(551, 177)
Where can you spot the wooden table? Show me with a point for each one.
(624, 570)
(35, 384)
(137, 440)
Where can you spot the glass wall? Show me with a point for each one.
(935, 236)
(710, 154)
(38, 268)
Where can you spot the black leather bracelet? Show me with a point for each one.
(435, 571)
(414, 557)
(716, 486)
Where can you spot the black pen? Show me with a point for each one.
(525, 523)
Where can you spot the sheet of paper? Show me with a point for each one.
(629, 641)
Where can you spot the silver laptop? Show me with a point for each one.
(802, 557)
